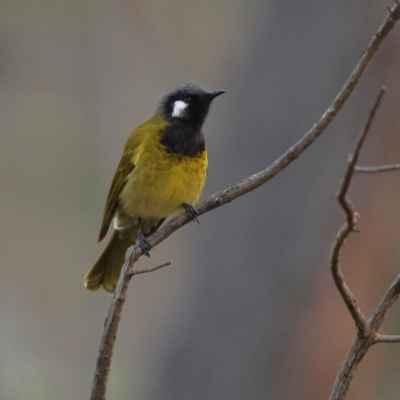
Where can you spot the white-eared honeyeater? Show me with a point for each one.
(162, 170)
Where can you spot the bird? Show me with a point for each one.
(162, 171)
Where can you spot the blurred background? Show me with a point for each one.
(248, 310)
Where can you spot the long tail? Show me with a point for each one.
(105, 272)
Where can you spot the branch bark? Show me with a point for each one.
(223, 197)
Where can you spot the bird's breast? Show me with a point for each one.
(161, 182)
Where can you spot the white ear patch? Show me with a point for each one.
(179, 108)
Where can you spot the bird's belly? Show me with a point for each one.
(158, 187)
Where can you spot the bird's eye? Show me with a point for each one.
(187, 99)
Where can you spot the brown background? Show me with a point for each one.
(248, 310)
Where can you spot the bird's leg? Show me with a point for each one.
(191, 211)
(144, 244)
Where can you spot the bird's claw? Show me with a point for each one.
(144, 244)
(191, 211)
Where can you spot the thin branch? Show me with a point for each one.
(387, 338)
(364, 338)
(360, 345)
(223, 197)
(350, 225)
(145, 271)
(380, 168)
(386, 303)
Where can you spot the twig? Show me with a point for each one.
(384, 306)
(380, 168)
(387, 338)
(350, 225)
(145, 271)
(247, 185)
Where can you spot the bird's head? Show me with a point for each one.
(188, 103)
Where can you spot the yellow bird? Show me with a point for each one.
(162, 170)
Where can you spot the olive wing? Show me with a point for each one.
(125, 167)
(151, 128)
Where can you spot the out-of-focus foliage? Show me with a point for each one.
(248, 309)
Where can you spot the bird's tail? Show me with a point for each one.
(105, 272)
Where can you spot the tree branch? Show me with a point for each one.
(367, 329)
(386, 303)
(145, 271)
(364, 338)
(381, 168)
(387, 338)
(360, 345)
(223, 197)
(350, 226)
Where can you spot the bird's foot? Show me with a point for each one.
(144, 244)
(191, 211)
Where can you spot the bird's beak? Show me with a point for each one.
(213, 95)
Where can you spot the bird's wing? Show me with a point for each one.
(125, 167)
(151, 128)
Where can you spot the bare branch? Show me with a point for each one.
(145, 271)
(386, 303)
(387, 338)
(226, 196)
(365, 337)
(360, 345)
(367, 330)
(350, 225)
(380, 168)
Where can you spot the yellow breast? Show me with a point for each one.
(161, 182)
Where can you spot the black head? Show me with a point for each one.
(188, 103)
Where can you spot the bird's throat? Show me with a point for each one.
(183, 139)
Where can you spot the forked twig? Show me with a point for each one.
(350, 225)
(367, 334)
